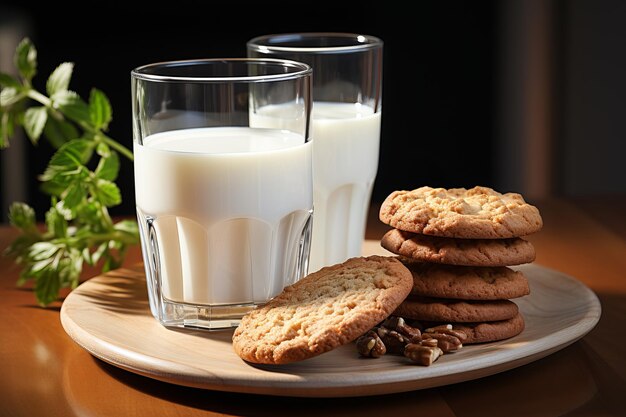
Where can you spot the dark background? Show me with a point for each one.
(447, 78)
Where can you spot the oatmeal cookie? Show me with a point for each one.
(323, 310)
(456, 311)
(476, 213)
(466, 282)
(453, 251)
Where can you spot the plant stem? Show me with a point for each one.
(37, 96)
(117, 146)
(44, 100)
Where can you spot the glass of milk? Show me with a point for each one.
(346, 117)
(224, 207)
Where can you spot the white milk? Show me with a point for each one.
(346, 141)
(228, 206)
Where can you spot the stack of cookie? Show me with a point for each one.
(459, 244)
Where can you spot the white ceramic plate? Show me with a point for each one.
(109, 316)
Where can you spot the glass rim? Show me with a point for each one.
(300, 70)
(361, 42)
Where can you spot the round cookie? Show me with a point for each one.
(323, 310)
(466, 282)
(477, 213)
(491, 331)
(456, 311)
(454, 251)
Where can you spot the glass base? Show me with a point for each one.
(217, 312)
(202, 317)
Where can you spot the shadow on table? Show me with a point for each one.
(534, 389)
(121, 291)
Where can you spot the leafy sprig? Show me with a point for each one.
(78, 229)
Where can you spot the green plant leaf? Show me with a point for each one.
(74, 195)
(130, 230)
(63, 210)
(56, 223)
(99, 109)
(108, 193)
(54, 187)
(58, 132)
(79, 228)
(36, 268)
(47, 286)
(70, 267)
(34, 122)
(103, 150)
(10, 96)
(110, 262)
(72, 106)
(98, 253)
(7, 80)
(26, 59)
(22, 216)
(70, 156)
(86, 254)
(127, 226)
(108, 167)
(42, 250)
(60, 78)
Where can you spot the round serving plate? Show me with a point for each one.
(109, 316)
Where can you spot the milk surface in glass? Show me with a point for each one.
(346, 139)
(223, 246)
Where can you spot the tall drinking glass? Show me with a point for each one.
(347, 87)
(224, 207)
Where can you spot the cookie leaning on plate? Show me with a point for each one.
(477, 213)
(323, 310)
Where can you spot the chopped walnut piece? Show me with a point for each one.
(430, 342)
(447, 329)
(399, 325)
(424, 355)
(440, 328)
(394, 341)
(445, 342)
(395, 336)
(370, 345)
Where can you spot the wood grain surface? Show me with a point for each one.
(45, 373)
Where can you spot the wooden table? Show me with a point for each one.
(44, 373)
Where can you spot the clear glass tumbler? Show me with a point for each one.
(224, 207)
(346, 118)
